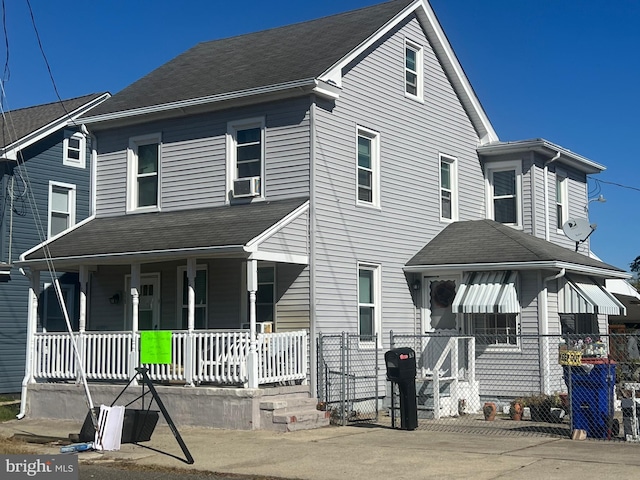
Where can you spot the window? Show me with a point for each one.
(62, 207)
(368, 167)
(579, 323)
(265, 296)
(144, 173)
(448, 188)
(53, 318)
(200, 314)
(245, 157)
(368, 302)
(495, 328)
(75, 149)
(504, 193)
(561, 199)
(413, 70)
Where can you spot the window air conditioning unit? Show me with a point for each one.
(246, 187)
(261, 327)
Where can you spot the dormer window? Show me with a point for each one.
(561, 199)
(75, 149)
(504, 192)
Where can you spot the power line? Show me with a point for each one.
(5, 74)
(44, 56)
(597, 180)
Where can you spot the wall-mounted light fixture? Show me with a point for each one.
(114, 299)
(416, 284)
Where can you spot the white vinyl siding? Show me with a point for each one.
(62, 207)
(143, 186)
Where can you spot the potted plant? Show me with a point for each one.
(489, 410)
(516, 408)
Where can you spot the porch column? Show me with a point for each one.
(82, 320)
(32, 326)
(252, 287)
(134, 359)
(190, 363)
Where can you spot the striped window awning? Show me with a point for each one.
(488, 292)
(584, 295)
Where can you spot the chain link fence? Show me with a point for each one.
(578, 386)
(348, 377)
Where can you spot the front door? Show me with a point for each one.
(437, 296)
(148, 304)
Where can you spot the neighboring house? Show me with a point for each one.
(45, 178)
(333, 175)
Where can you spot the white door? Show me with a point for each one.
(437, 296)
(149, 302)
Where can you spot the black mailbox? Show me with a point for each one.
(401, 370)
(401, 364)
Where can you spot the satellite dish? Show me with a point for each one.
(578, 229)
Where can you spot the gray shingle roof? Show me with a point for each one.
(271, 57)
(176, 230)
(486, 241)
(24, 121)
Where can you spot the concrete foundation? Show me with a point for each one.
(214, 407)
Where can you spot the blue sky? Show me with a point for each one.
(567, 71)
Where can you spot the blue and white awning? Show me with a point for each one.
(488, 292)
(584, 295)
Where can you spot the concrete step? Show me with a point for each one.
(292, 413)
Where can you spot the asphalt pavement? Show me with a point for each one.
(359, 453)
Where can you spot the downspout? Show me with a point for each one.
(544, 331)
(313, 354)
(546, 194)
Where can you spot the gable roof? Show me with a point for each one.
(224, 229)
(490, 245)
(308, 55)
(21, 128)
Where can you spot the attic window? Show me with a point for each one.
(413, 70)
(75, 150)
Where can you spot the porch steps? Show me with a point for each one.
(292, 413)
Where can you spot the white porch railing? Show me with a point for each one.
(213, 356)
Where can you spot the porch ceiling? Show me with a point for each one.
(205, 231)
(489, 245)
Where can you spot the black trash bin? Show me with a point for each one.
(401, 370)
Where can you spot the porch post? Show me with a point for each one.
(82, 320)
(32, 324)
(191, 360)
(135, 300)
(252, 287)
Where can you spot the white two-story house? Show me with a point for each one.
(333, 175)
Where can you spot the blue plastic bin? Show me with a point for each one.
(591, 397)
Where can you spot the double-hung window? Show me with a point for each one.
(62, 207)
(75, 149)
(413, 70)
(561, 199)
(368, 167)
(368, 302)
(245, 157)
(200, 288)
(265, 296)
(144, 173)
(448, 188)
(504, 197)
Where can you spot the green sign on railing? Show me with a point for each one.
(155, 347)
